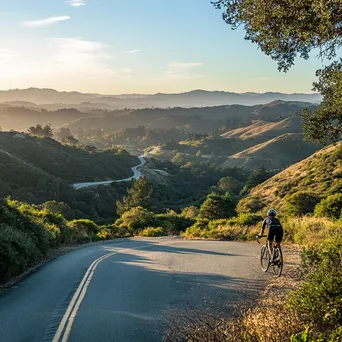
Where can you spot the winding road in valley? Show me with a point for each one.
(125, 289)
(136, 175)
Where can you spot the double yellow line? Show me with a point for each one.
(64, 329)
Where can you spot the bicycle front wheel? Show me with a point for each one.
(278, 262)
(265, 259)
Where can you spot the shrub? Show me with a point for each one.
(308, 231)
(153, 232)
(245, 220)
(217, 207)
(86, 230)
(319, 300)
(190, 212)
(173, 224)
(301, 203)
(136, 219)
(17, 252)
(330, 207)
(250, 205)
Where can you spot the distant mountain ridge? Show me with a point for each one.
(194, 98)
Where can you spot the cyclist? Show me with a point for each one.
(275, 231)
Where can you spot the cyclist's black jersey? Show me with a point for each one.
(275, 229)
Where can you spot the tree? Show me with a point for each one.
(301, 203)
(40, 131)
(257, 177)
(65, 136)
(229, 184)
(217, 207)
(139, 195)
(330, 207)
(285, 29)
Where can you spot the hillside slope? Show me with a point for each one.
(276, 153)
(263, 129)
(321, 174)
(35, 169)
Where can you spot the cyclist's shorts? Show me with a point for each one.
(275, 232)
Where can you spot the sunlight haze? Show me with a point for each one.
(111, 46)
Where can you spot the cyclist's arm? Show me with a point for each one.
(263, 228)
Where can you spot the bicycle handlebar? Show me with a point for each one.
(259, 237)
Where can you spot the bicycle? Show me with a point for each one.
(266, 261)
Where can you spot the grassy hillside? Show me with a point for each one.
(320, 174)
(38, 170)
(265, 130)
(69, 163)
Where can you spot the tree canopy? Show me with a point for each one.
(286, 29)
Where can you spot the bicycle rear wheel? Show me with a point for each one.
(278, 264)
(264, 259)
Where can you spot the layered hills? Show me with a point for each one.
(52, 99)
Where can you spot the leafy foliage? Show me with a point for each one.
(139, 195)
(301, 203)
(40, 131)
(330, 207)
(324, 125)
(217, 207)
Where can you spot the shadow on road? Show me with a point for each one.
(133, 292)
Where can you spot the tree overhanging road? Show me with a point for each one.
(125, 294)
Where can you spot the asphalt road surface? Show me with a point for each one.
(123, 290)
(136, 175)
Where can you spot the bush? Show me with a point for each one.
(17, 252)
(245, 220)
(217, 207)
(330, 207)
(86, 230)
(310, 231)
(173, 224)
(301, 203)
(153, 232)
(319, 300)
(250, 205)
(136, 219)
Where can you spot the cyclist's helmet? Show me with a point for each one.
(272, 212)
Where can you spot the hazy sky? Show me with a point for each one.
(134, 46)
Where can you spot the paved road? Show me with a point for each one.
(136, 175)
(129, 292)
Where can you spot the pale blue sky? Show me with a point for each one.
(135, 46)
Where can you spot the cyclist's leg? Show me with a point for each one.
(270, 239)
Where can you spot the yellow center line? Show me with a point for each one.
(77, 299)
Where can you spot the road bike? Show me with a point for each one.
(275, 261)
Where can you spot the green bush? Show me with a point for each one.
(136, 219)
(319, 299)
(17, 252)
(250, 205)
(217, 207)
(330, 207)
(153, 232)
(301, 203)
(245, 220)
(86, 230)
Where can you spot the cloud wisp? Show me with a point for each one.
(132, 51)
(45, 22)
(76, 3)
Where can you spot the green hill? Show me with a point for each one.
(36, 170)
(320, 174)
(277, 153)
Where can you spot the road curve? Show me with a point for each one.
(125, 298)
(136, 175)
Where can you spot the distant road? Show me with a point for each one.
(120, 291)
(136, 175)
